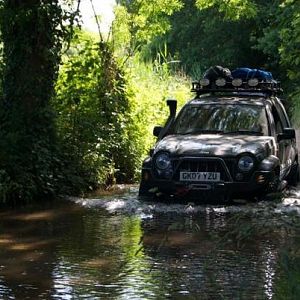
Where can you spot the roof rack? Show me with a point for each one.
(236, 85)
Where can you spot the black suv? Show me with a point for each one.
(231, 140)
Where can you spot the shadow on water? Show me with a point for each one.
(119, 247)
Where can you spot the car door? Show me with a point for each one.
(290, 144)
(276, 128)
(285, 146)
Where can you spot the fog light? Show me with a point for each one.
(239, 176)
(168, 174)
(253, 82)
(260, 179)
(204, 82)
(220, 82)
(236, 82)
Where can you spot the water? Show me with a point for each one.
(118, 247)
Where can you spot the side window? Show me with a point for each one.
(283, 115)
(270, 120)
(277, 120)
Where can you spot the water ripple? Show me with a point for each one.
(129, 203)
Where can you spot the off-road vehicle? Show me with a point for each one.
(234, 139)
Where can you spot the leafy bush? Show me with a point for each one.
(30, 56)
(151, 85)
(92, 108)
(106, 115)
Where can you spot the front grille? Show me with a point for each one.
(231, 165)
(207, 164)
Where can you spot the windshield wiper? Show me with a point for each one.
(244, 131)
(202, 131)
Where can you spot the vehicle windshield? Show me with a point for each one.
(222, 118)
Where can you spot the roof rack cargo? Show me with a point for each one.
(253, 85)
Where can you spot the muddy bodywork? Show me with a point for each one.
(216, 145)
(211, 165)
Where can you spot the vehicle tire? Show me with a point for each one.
(274, 186)
(294, 176)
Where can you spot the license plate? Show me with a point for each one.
(200, 176)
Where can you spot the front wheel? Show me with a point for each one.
(276, 185)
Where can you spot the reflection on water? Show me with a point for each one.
(121, 248)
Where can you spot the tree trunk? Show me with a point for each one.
(31, 47)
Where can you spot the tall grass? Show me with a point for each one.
(150, 85)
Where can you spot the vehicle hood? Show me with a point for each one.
(216, 145)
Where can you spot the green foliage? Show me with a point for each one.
(97, 128)
(151, 85)
(94, 118)
(32, 33)
(146, 19)
(290, 39)
(121, 32)
(106, 116)
(280, 41)
(265, 36)
(202, 38)
(97, 135)
(1, 67)
(232, 9)
(290, 51)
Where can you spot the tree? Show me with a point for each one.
(232, 9)
(32, 32)
(94, 115)
(201, 36)
(289, 33)
(146, 19)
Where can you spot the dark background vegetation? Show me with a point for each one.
(77, 110)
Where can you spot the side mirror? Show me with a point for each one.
(287, 134)
(157, 130)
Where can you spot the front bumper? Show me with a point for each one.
(259, 182)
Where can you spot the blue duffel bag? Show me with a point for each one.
(247, 73)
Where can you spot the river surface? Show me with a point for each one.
(118, 247)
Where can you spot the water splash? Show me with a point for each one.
(129, 203)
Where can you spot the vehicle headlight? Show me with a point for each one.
(246, 163)
(162, 161)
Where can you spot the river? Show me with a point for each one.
(118, 247)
